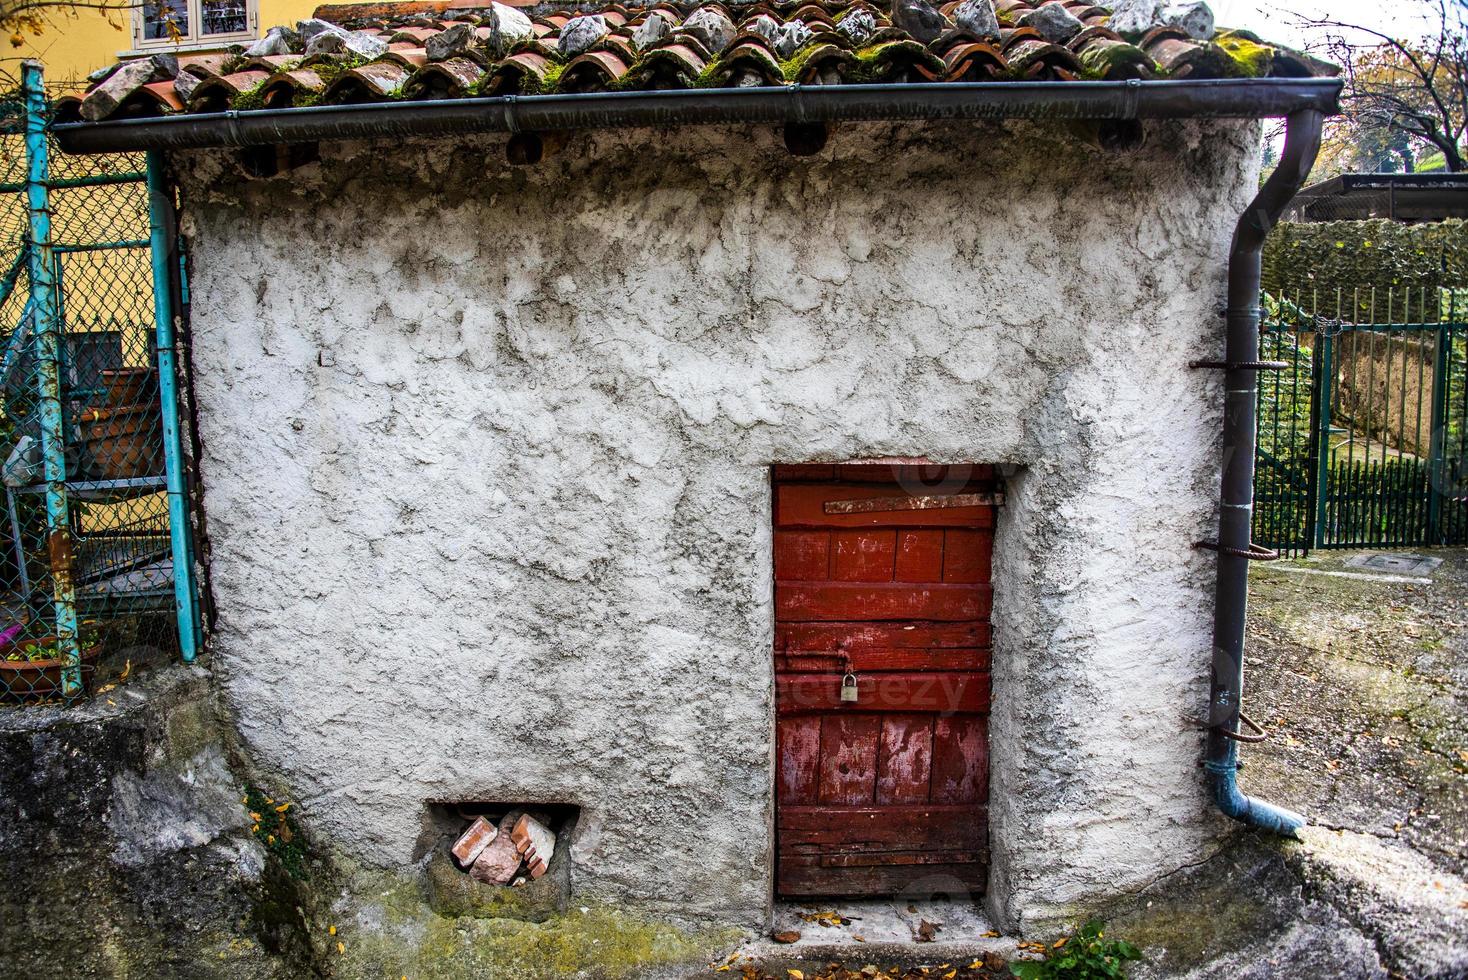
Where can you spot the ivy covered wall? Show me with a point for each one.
(1369, 271)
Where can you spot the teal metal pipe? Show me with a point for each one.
(45, 310)
(7, 284)
(160, 226)
(1236, 495)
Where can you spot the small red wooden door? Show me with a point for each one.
(890, 791)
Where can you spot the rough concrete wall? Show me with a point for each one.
(512, 541)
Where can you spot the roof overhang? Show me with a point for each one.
(1101, 101)
(1397, 197)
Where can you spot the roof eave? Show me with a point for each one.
(1099, 100)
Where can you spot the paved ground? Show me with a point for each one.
(1364, 682)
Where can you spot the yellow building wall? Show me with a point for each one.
(76, 42)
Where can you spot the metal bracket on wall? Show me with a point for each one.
(1254, 553)
(1240, 365)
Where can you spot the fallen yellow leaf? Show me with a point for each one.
(795, 975)
(341, 948)
(1060, 942)
(282, 808)
(331, 930)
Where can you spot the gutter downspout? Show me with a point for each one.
(1235, 550)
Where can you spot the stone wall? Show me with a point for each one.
(486, 449)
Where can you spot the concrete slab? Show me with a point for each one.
(884, 929)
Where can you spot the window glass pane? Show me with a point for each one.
(159, 15)
(222, 16)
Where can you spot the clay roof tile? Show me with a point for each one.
(678, 60)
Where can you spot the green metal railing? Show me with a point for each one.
(98, 574)
(1362, 435)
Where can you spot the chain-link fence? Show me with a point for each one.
(87, 570)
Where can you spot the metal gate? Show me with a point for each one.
(1361, 433)
(97, 570)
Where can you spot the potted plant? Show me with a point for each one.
(30, 670)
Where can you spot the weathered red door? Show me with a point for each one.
(882, 570)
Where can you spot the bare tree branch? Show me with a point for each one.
(1414, 87)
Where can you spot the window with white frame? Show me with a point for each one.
(194, 21)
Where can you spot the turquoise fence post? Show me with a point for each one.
(45, 307)
(160, 225)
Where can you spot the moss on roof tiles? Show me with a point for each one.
(890, 55)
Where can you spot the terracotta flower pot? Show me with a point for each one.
(25, 680)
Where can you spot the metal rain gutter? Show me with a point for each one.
(1235, 549)
(1101, 101)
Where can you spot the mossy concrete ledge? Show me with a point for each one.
(385, 927)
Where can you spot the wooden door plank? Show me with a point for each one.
(961, 759)
(904, 759)
(878, 859)
(817, 602)
(863, 556)
(919, 556)
(925, 826)
(908, 692)
(802, 555)
(954, 880)
(870, 661)
(803, 505)
(798, 758)
(856, 637)
(967, 555)
(849, 758)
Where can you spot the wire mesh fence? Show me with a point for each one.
(87, 571)
(1362, 434)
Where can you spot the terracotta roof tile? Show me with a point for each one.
(771, 43)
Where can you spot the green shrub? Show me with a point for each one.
(1369, 271)
(1087, 955)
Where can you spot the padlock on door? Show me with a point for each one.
(848, 688)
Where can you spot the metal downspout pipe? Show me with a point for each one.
(1235, 550)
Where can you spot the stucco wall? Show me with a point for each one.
(485, 459)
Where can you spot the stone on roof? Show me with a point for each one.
(446, 49)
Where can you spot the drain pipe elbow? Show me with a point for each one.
(1236, 498)
(1247, 809)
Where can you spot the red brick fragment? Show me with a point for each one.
(497, 863)
(479, 835)
(536, 842)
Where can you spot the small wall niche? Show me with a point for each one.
(498, 859)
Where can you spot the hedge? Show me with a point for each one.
(1324, 263)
